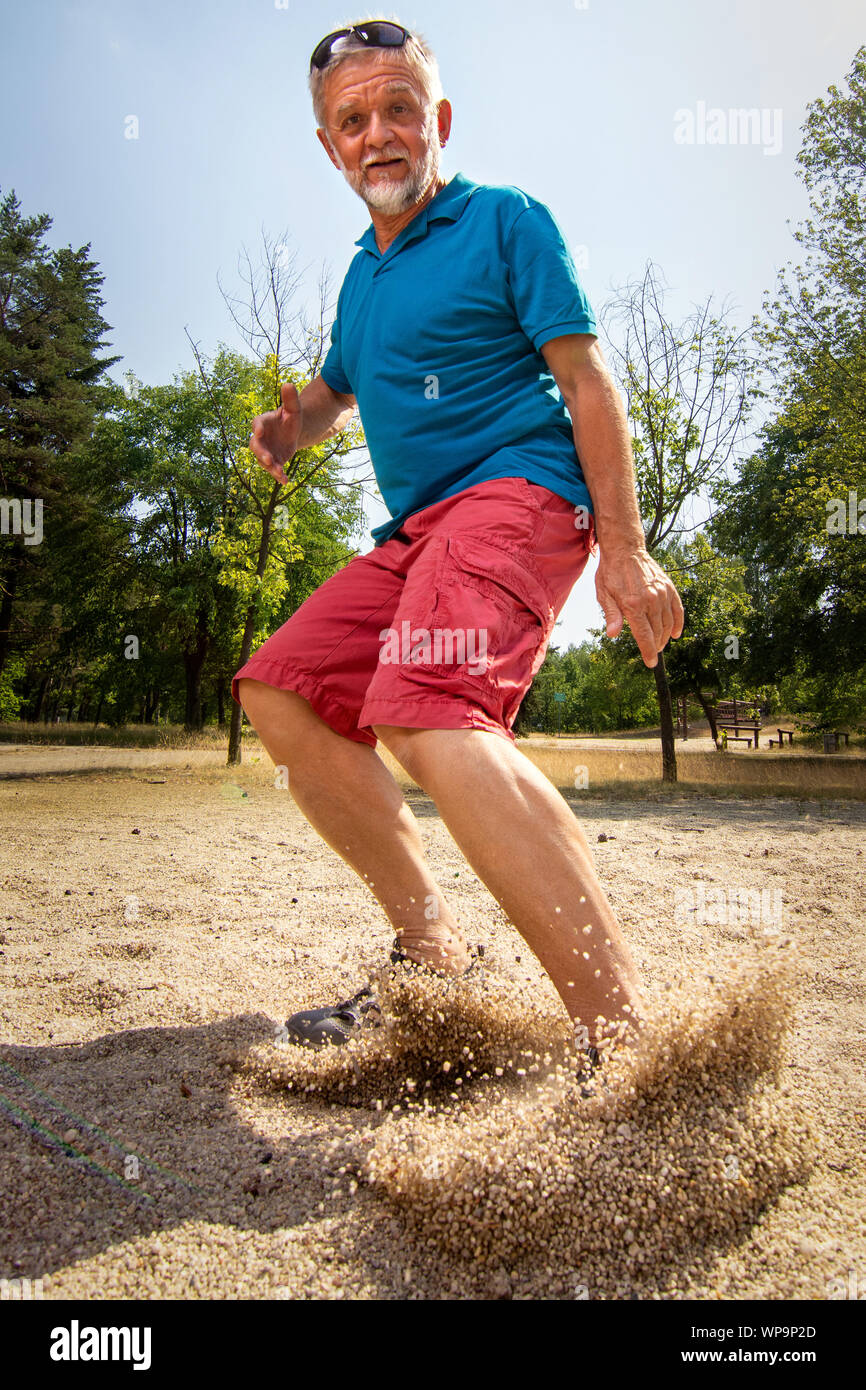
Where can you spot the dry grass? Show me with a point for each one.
(629, 769)
(103, 735)
(759, 773)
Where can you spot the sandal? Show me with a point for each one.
(584, 1075)
(340, 1023)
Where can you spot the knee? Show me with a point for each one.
(263, 703)
(389, 735)
(249, 694)
(399, 742)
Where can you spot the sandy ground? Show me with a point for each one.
(30, 759)
(156, 926)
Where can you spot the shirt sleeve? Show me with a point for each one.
(332, 367)
(548, 297)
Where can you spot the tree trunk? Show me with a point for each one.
(710, 715)
(98, 715)
(221, 703)
(193, 662)
(8, 585)
(193, 667)
(236, 723)
(669, 752)
(234, 752)
(685, 718)
(40, 699)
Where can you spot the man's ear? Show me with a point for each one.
(445, 116)
(323, 136)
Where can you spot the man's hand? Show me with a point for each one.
(632, 587)
(275, 435)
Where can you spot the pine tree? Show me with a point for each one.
(51, 390)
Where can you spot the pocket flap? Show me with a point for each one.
(487, 561)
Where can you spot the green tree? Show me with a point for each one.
(183, 497)
(288, 346)
(797, 512)
(52, 387)
(814, 329)
(689, 390)
(807, 584)
(710, 655)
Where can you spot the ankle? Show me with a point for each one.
(622, 1031)
(446, 953)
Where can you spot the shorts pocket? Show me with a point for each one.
(499, 576)
(498, 610)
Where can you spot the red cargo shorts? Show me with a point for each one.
(442, 627)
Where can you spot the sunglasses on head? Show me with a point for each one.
(375, 33)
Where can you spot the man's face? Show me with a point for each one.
(382, 139)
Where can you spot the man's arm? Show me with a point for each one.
(629, 584)
(318, 413)
(324, 412)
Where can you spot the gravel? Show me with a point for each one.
(159, 1143)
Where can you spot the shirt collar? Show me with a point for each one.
(447, 205)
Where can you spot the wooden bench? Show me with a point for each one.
(783, 734)
(740, 738)
(736, 715)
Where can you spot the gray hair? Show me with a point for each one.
(417, 53)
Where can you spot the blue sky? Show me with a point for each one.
(573, 102)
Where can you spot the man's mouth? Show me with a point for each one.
(385, 164)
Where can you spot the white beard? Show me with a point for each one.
(395, 195)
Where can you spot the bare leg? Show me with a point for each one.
(347, 793)
(523, 840)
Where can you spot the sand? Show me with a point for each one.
(156, 927)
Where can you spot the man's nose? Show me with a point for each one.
(380, 132)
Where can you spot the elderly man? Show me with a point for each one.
(501, 449)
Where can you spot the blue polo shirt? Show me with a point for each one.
(439, 338)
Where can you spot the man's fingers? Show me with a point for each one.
(653, 611)
(672, 617)
(662, 625)
(612, 613)
(260, 450)
(642, 631)
(679, 616)
(671, 629)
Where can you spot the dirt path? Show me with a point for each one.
(153, 932)
(40, 760)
